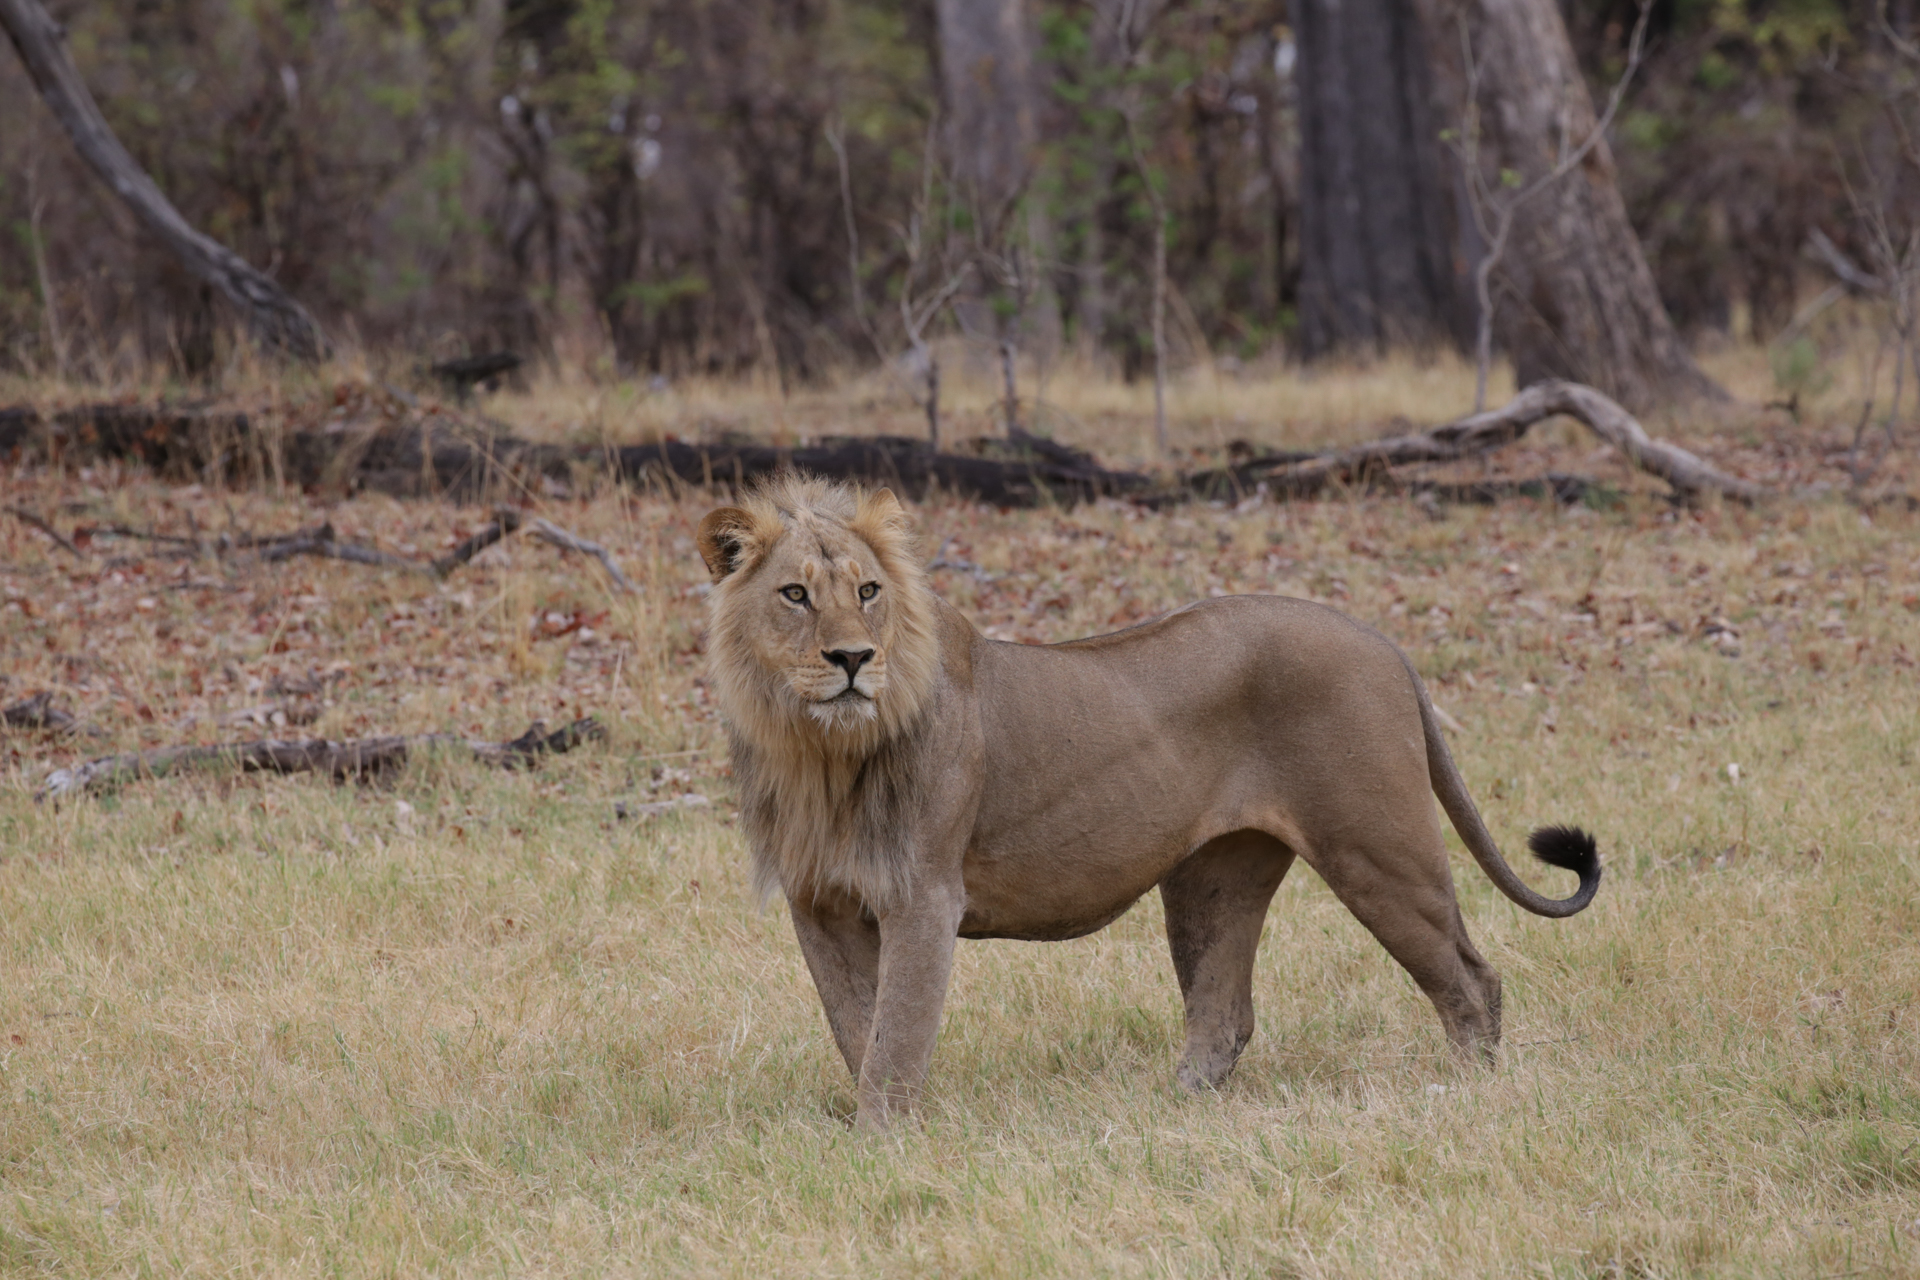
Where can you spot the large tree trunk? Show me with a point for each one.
(276, 319)
(987, 87)
(1574, 297)
(1377, 232)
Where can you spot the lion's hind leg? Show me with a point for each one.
(1399, 887)
(1216, 902)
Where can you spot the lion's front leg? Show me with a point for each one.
(916, 961)
(841, 943)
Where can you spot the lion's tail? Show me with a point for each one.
(1569, 848)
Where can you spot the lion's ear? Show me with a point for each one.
(882, 505)
(725, 538)
(883, 522)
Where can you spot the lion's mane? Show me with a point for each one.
(826, 805)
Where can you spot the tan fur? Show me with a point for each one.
(800, 770)
(905, 781)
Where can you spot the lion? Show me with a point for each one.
(905, 781)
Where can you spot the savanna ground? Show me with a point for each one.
(473, 1021)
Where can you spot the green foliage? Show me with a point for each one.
(655, 296)
(1798, 368)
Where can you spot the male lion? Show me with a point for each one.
(906, 781)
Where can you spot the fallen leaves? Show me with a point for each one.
(148, 638)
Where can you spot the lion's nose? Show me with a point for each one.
(848, 660)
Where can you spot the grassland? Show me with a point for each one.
(475, 1022)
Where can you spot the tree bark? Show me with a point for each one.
(1574, 296)
(987, 87)
(276, 319)
(1377, 233)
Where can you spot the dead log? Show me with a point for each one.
(363, 759)
(1027, 471)
(433, 452)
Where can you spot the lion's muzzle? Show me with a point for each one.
(848, 660)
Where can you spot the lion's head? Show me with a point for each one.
(822, 635)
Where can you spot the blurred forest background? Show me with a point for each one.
(716, 187)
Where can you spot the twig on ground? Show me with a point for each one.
(363, 758)
(27, 517)
(654, 808)
(38, 712)
(505, 521)
(325, 543)
(322, 542)
(547, 531)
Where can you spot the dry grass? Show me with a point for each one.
(473, 1022)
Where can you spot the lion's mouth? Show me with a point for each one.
(846, 695)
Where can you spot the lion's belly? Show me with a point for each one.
(1067, 869)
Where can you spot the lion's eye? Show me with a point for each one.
(795, 593)
(869, 591)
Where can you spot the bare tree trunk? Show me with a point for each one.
(1574, 297)
(1377, 230)
(986, 81)
(988, 96)
(276, 319)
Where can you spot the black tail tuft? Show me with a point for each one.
(1568, 848)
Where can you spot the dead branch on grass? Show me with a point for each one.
(27, 517)
(551, 533)
(324, 542)
(38, 712)
(1299, 475)
(362, 759)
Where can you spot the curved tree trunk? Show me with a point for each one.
(1574, 297)
(1377, 231)
(276, 319)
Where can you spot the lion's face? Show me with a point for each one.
(820, 601)
(808, 610)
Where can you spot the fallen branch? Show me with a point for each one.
(1292, 475)
(322, 542)
(27, 517)
(547, 531)
(365, 758)
(38, 712)
(505, 521)
(653, 809)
